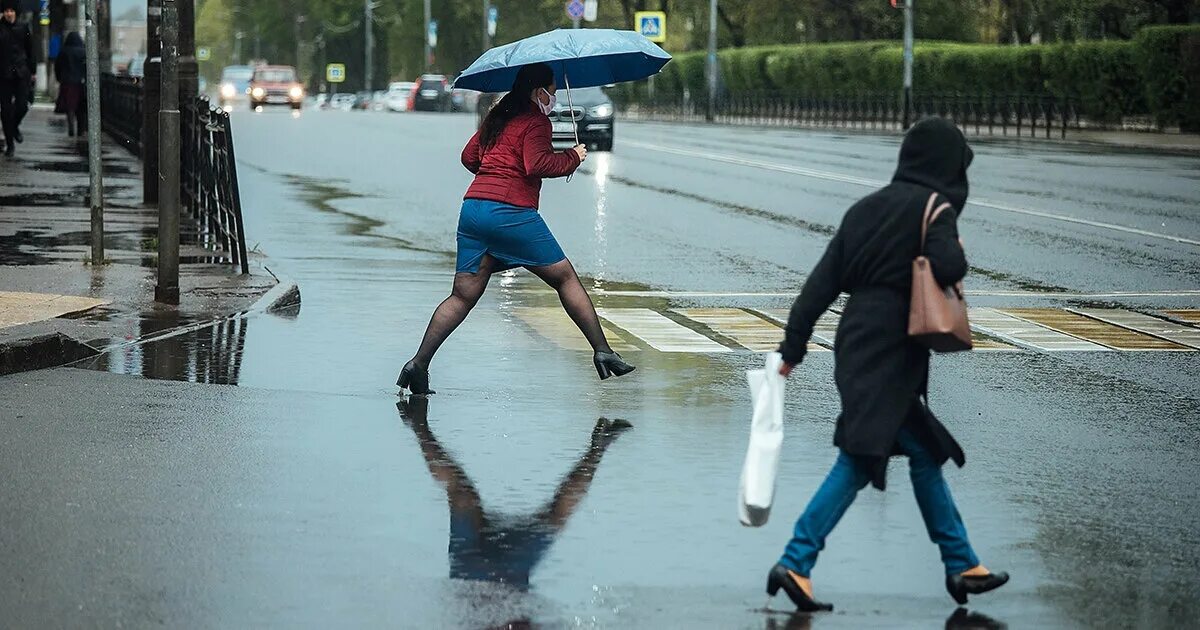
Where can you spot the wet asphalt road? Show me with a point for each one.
(307, 497)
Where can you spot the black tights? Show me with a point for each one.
(469, 287)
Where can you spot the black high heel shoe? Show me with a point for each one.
(959, 586)
(414, 378)
(779, 578)
(611, 364)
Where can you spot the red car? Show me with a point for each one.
(275, 85)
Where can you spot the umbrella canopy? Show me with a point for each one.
(582, 57)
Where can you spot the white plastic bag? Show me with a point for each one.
(756, 489)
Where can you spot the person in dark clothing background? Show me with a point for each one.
(881, 373)
(16, 73)
(71, 69)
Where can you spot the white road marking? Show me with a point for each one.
(1140, 322)
(873, 183)
(1027, 334)
(660, 332)
(792, 294)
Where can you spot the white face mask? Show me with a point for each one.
(547, 108)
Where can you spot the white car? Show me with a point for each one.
(342, 102)
(398, 96)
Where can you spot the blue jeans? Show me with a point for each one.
(849, 475)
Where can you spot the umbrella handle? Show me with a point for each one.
(571, 106)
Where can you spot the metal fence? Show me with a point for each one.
(121, 110)
(208, 170)
(208, 179)
(993, 114)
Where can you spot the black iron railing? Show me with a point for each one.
(208, 179)
(1015, 114)
(121, 110)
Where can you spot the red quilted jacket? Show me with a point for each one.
(511, 170)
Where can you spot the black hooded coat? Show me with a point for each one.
(881, 373)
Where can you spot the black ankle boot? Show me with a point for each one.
(959, 586)
(414, 378)
(779, 578)
(611, 364)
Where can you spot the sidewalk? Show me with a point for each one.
(55, 307)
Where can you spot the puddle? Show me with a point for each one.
(110, 168)
(210, 354)
(486, 546)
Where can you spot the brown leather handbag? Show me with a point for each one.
(937, 316)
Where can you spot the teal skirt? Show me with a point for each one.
(515, 237)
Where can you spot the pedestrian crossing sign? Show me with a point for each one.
(652, 25)
(335, 72)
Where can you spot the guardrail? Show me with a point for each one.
(208, 179)
(993, 114)
(121, 110)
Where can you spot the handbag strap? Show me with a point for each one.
(931, 215)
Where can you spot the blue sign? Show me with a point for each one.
(652, 25)
(575, 9)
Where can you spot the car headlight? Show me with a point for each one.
(258, 92)
(601, 111)
(228, 90)
(296, 92)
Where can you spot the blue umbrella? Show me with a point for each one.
(580, 57)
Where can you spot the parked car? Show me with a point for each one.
(398, 96)
(235, 85)
(593, 113)
(342, 102)
(431, 94)
(322, 101)
(275, 85)
(377, 104)
(463, 100)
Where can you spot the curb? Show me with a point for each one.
(284, 295)
(41, 352)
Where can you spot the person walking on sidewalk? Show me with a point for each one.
(71, 69)
(499, 226)
(881, 373)
(16, 73)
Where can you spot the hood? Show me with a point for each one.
(935, 154)
(73, 40)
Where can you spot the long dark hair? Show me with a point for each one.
(529, 78)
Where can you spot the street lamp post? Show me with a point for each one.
(369, 44)
(908, 61)
(711, 60)
(487, 35)
(428, 50)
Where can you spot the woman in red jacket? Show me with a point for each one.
(499, 226)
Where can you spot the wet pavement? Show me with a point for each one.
(526, 493)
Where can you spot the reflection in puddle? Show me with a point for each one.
(209, 354)
(490, 547)
(963, 619)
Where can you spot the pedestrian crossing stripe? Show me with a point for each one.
(1093, 330)
(1191, 316)
(555, 325)
(1183, 337)
(660, 332)
(749, 331)
(724, 330)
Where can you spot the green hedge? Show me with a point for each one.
(1169, 57)
(1158, 73)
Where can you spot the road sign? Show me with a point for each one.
(203, 54)
(652, 25)
(575, 9)
(493, 18)
(432, 33)
(590, 8)
(335, 72)
(44, 17)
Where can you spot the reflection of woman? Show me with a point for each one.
(70, 69)
(881, 373)
(500, 228)
(496, 548)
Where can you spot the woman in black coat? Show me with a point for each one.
(881, 373)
